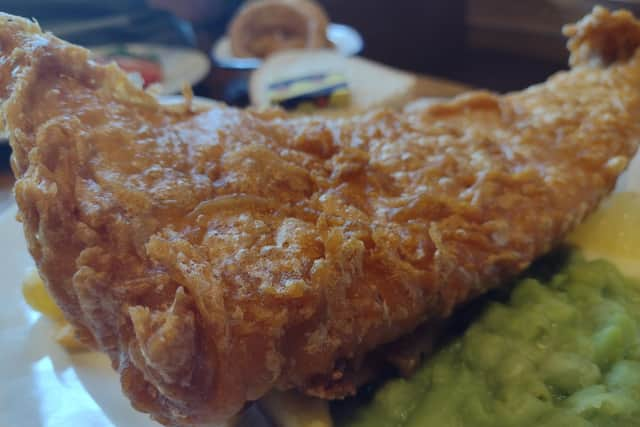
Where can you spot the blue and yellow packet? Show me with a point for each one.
(310, 92)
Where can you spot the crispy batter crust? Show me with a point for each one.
(216, 256)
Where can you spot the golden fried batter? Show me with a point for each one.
(216, 256)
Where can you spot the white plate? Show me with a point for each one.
(347, 40)
(179, 65)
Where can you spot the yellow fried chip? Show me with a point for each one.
(292, 409)
(66, 337)
(37, 296)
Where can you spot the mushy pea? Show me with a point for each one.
(562, 353)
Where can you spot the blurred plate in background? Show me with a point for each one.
(199, 103)
(178, 65)
(347, 40)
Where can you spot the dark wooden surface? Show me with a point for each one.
(6, 183)
(6, 177)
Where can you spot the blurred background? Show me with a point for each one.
(496, 44)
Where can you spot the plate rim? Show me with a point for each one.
(237, 63)
(201, 70)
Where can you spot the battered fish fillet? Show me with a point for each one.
(217, 256)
